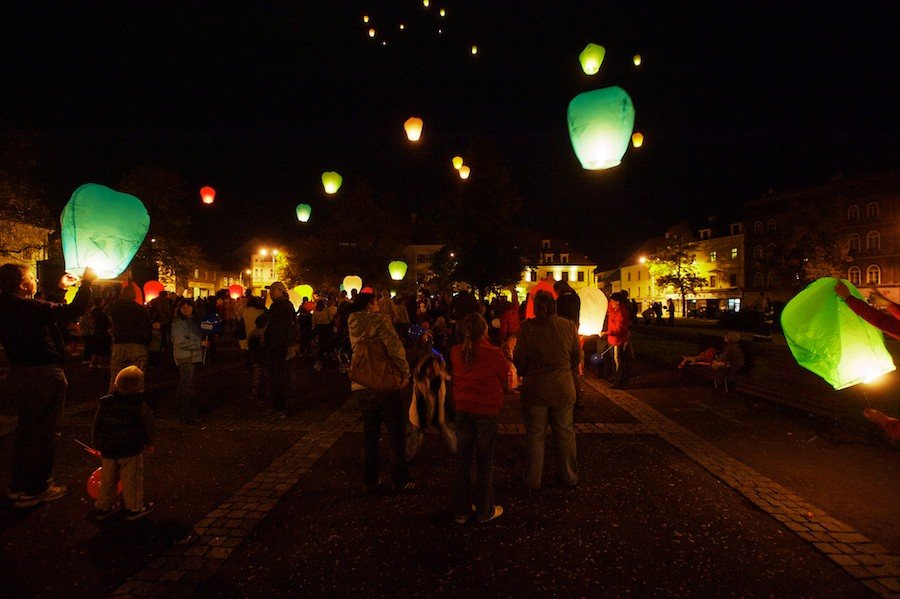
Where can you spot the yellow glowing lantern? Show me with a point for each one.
(464, 172)
(591, 58)
(474, 50)
(425, 3)
(637, 60)
(637, 140)
(443, 13)
(397, 268)
(372, 32)
(331, 181)
(304, 291)
(402, 26)
(457, 162)
(365, 18)
(413, 126)
(352, 282)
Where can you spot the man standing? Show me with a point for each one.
(34, 346)
(568, 306)
(278, 338)
(670, 306)
(131, 334)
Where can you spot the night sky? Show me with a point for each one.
(257, 99)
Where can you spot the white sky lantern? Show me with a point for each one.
(413, 127)
(593, 310)
(600, 126)
(352, 282)
(464, 172)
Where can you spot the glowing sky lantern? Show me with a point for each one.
(331, 181)
(352, 282)
(600, 126)
(637, 140)
(397, 268)
(151, 290)
(474, 50)
(303, 212)
(637, 60)
(425, 3)
(591, 58)
(235, 291)
(413, 127)
(102, 228)
(457, 162)
(544, 285)
(443, 12)
(464, 172)
(372, 32)
(593, 310)
(304, 291)
(295, 299)
(207, 194)
(828, 338)
(365, 18)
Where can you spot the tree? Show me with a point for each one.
(673, 262)
(814, 249)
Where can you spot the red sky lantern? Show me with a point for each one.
(208, 195)
(151, 290)
(235, 291)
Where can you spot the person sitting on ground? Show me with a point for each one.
(728, 361)
(122, 433)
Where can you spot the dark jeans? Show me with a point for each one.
(40, 392)
(187, 406)
(476, 435)
(378, 407)
(278, 375)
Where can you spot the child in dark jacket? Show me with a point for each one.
(122, 432)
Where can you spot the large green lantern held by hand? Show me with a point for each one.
(829, 339)
(591, 58)
(600, 126)
(102, 228)
(397, 268)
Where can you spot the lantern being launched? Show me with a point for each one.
(593, 310)
(352, 282)
(152, 290)
(331, 181)
(303, 212)
(397, 268)
(235, 291)
(207, 194)
(828, 338)
(600, 126)
(102, 228)
(304, 291)
(591, 58)
(413, 127)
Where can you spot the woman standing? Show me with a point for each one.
(480, 375)
(187, 349)
(547, 354)
(617, 335)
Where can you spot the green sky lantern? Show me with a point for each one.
(102, 228)
(397, 268)
(331, 181)
(303, 212)
(600, 126)
(591, 58)
(829, 339)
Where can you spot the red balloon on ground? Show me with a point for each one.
(93, 484)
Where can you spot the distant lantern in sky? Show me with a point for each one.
(372, 32)
(365, 18)
(413, 126)
(331, 181)
(352, 282)
(235, 291)
(637, 60)
(303, 212)
(102, 228)
(207, 194)
(637, 140)
(828, 338)
(600, 126)
(443, 13)
(402, 26)
(457, 162)
(397, 268)
(474, 50)
(425, 3)
(151, 290)
(591, 58)
(464, 172)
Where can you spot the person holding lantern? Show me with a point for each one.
(132, 333)
(617, 335)
(30, 335)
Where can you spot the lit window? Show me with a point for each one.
(853, 212)
(873, 240)
(734, 253)
(873, 275)
(853, 275)
(854, 242)
(712, 256)
(872, 210)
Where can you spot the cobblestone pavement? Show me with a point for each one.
(217, 536)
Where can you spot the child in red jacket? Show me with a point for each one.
(480, 383)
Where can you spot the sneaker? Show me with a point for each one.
(53, 491)
(498, 511)
(98, 515)
(146, 510)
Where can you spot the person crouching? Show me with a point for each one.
(122, 432)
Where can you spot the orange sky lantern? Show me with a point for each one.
(207, 194)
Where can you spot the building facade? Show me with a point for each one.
(559, 261)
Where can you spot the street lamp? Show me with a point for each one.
(274, 253)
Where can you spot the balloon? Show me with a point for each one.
(235, 291)
(544, 285)
(208, 195)
(637, 140)
(303, 212)
(93, 484)
(593, 310)
(331, 181)
(151, 290)
(600, 126)
(413, 127)
(102, 228)
(828, 338)
(211, 324)
(464, 172)
(352, 282)
(457, 162)
(591, 58)
(397, 268)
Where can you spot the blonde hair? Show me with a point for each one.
(130, 380)
(473, 328)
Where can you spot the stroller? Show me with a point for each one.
(333, 349)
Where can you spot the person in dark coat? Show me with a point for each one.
(278, 337)
(568, 306)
